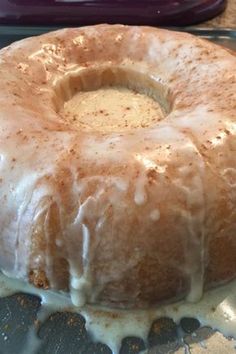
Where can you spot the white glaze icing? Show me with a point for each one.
(84, 198)
(155, 215)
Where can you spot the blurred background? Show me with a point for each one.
(140, 12)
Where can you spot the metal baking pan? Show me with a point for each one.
(64, 333)
(224, 36)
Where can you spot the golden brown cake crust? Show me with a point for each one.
(126, 217)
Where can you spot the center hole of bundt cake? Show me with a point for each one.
(111, 100)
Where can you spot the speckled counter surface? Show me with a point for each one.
(226, 19)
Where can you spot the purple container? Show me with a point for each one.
(86, 12)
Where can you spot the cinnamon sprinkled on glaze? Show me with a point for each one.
(121, 211)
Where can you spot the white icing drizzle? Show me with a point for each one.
(217, 309)
(140, 195)
(80, 285)
(155, 215)
(80, 276)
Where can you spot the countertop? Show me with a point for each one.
(226, 19)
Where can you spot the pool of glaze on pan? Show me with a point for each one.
(45, 322)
